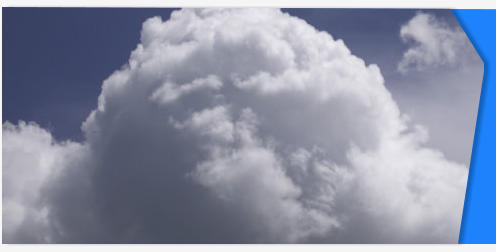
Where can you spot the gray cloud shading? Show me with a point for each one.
(234, 126)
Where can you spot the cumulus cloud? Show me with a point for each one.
(234, 126)
(434, 43)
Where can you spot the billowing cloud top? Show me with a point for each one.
(234, 125)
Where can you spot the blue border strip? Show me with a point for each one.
(479, 213)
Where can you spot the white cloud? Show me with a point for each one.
(212, 122)
(250, 176)
(247, 125)
(169, 92)
(434, 43)
(31, 158)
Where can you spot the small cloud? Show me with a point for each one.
(434, 44)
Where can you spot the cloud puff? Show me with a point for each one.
(236, 125)
(31, 158)
(434, 44)
(169, 92)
